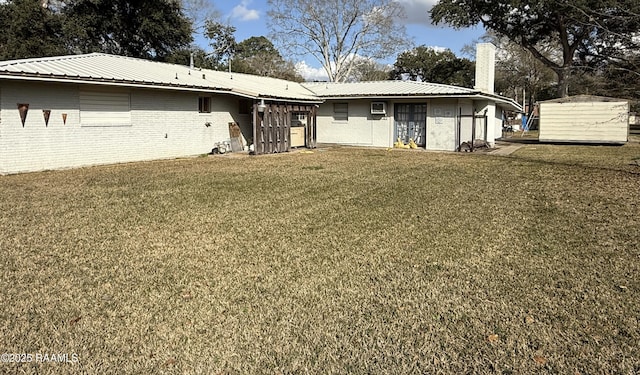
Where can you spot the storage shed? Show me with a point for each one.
(584, 119)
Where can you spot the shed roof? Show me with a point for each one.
(106, 69)
(402, 89)
(585, 99)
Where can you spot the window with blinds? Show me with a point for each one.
(105, 108)
(341, 111)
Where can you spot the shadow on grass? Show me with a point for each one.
(633, 169)
(519, 140)
(598, 162)
(528, 140)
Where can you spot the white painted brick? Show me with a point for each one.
(164, 124)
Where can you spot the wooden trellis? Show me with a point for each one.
(272, 127)
(477, 120)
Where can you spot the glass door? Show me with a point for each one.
(411, 123)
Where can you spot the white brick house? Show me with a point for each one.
(71, 111)
(435, 116)
(98, 109)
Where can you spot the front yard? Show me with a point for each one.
(339, 261)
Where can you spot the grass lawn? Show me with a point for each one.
(338, 261)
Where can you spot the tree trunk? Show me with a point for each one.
(564, 74)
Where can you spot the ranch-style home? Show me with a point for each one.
(71, 111)
(433, 116)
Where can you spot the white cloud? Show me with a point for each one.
(310, 73)
(417, 11)
(243, 13)
(438, 48)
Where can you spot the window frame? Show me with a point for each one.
(245, 106)
(204, 104)
(104, 108)
(341, 114)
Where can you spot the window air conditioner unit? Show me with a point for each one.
(378, 108)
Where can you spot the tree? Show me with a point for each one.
(517, 70)
(29, 29)
(427, 64)
(610, 78)
(369, 70)
(257, 55)
(592, 26)
(335, 32)
(612, 67)
(150, 29)
(199, 12)
(222, 41)
(200, 57)
(617, 23)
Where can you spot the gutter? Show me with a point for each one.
(278, 99)
(110, 82)
(36, 77)
(470, 95)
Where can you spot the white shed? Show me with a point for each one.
(584, 119)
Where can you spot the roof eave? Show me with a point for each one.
(510, 103)
(106, 81)
(396, 96)
(37, 77)
(290, 100)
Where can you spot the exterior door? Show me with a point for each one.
(298, 129)
(411, 122)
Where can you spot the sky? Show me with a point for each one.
(250, 19)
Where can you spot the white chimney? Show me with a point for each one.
(485, 67)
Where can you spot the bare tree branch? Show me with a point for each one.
(335, 32)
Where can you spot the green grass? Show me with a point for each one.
(340, 261)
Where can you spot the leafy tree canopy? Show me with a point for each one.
(369, 70)
(596, 28)
(258, 55)
(427, 64)
(222, 42)
(149, 29)
(201, 58)
(29, 30)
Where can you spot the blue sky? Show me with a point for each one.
(250, 19)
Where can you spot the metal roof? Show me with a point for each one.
(584, 99)
(402, 89)
(385, 89)
(105, 69)
(101, 68)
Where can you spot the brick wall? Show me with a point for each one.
(164, 124)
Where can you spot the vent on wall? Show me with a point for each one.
(378, 108)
